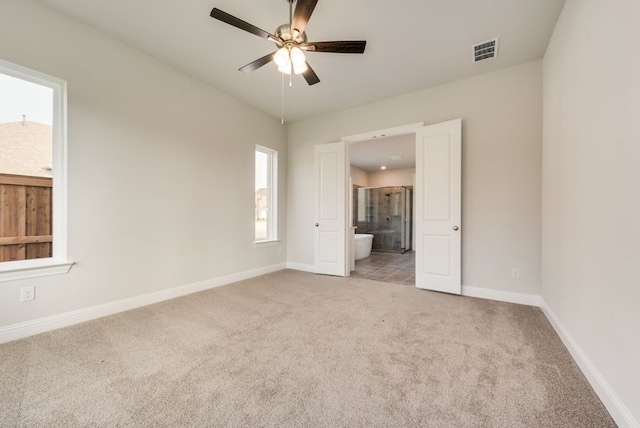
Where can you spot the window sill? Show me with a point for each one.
(10, 271)
(273, 243)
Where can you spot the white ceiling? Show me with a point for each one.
(370, 155)
(411, 45)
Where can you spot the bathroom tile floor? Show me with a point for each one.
(388, 267)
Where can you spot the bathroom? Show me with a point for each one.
(382, 178)
(385, 214)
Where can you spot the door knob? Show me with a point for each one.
(317, 225)
(455, 227)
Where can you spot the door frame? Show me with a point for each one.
(410, 128)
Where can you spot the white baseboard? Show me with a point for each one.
(42, 325)
(501, 296)
(300, 266)
(618, 411)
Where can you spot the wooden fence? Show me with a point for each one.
(25, 217)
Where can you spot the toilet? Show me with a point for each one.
(363, 243)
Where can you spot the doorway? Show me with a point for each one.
(382, 169)
(437, 204)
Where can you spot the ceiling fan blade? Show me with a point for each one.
(252, 66)
(304, 9)
(310, 76)
(239, 23)
(351, 47)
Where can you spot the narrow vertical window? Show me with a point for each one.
(32, 173)
(266, 170)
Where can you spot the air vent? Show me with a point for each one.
(485, 50)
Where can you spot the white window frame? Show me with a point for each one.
(272, 195)
(58, 263)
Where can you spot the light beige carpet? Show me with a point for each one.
(292, 349)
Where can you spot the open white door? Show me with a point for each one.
(438, 207)
(330, 209)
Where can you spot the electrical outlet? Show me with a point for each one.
(27, 293)
(515, 273)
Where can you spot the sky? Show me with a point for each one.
(261, 170)
(18, 97)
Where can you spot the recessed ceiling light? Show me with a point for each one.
(383, 167)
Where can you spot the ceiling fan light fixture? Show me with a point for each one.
(297, 56)
(286, 69)
(300, 68)
(281, 58)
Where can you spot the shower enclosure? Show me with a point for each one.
(385, 213)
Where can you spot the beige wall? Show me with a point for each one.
(502, 116)
(160, 169)
(591, 179)
(359, 176)
(394, 177)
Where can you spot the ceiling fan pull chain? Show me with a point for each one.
(282, 100)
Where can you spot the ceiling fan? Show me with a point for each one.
(291, 41)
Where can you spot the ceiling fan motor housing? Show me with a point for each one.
(283, 32)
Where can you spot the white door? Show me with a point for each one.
(330, 209)
(438, 207)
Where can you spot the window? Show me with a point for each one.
(266, 185)
(32, 173)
